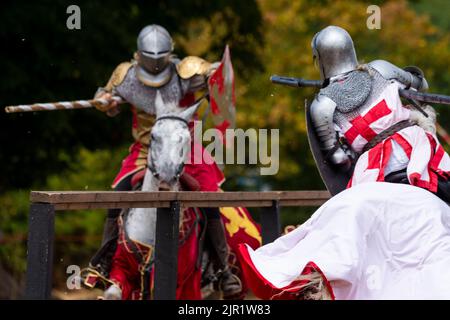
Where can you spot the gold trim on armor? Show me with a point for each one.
(191, 66)
(142, 272)
(92, 272)
(154, 81)
(118, 76)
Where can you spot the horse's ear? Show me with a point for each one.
(159, 104)
(190, 111)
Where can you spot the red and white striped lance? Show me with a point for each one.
(63, 105)
(443, 134)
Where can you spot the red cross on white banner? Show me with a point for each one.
(361, 124)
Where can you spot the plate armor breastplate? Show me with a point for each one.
(143, 97)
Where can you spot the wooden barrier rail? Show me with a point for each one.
(45, 204)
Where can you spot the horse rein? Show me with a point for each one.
(177, 118)
(173, 117)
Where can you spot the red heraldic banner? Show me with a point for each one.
(222, 94)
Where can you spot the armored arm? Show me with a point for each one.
(196, 70)
(322, 111)
(108, 91)
(410, 76)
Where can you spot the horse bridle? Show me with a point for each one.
(169, 117)
(172, 117)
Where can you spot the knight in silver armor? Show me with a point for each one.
(154, 45)
(333, 52)
(155, 69)
(349, 88)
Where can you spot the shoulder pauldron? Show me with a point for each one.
(191, 66)
(118, 75)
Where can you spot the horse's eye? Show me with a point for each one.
(152, 137)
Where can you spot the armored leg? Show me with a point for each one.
(229, 284)
(101, 261)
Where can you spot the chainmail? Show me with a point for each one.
(377, 87)
(350, 92)
(143, 97)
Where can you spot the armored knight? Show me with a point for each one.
(153, 69)
(362, 126)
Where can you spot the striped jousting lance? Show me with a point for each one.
(404, 93)
(412, 96)
(443, 134)
(64, 105)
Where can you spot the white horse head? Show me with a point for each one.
(170, 140)
(168, 150)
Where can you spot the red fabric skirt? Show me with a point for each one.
(125, 270)
(204, 170)
(265, 290)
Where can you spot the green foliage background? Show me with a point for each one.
(77, 150)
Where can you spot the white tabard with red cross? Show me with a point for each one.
(412, 148)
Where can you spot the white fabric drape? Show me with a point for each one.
(376, 240)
